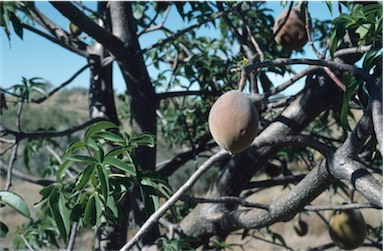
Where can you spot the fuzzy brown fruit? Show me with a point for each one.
(347, 229)
(300, 227)
(292, 35)
(233, 121)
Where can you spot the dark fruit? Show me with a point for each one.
(300, 227)
(347, 229)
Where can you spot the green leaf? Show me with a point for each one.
(90, 212)
(55, 211)
(98, 127)
(111, 137)
(369, 58)
(138, 11)
(146, 193)
(112, 208)
(77, 212)
(99, 210)
(345, 107)
(115, 162)
(266, 83)
(333, 43)
(83, 159)
(329, 5)
(363, 30)
(85, 176)
(104, 182)
(16, 202)
(64, 212)
(93, 211)
(74, 147)
(3, 230)
(62, 169)
(145, 139)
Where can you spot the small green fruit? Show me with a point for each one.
(347, 229)
(233, 121)
(300, 227)
(75, 31)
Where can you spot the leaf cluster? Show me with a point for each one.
(96, 173)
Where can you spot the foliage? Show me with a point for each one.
(96, 188)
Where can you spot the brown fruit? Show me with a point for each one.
(233, 121)
(347, 229)
(293, 35)
(300, 227)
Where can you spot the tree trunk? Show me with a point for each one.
(143, 105)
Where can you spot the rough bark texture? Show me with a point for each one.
(142, 105)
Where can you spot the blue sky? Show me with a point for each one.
(36, 57)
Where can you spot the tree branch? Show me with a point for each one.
(111, 42)
(204, 167)
(287, 61)
(172, 200)
(165, 95)
(50, 134)
(66, 45)
(59, 87)
(25, 177)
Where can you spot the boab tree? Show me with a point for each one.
(327, 136)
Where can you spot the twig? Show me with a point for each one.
(77, 73)
(274, 182)
(72, 238)
(152, 21)
(10, 166)
(186, 30)
(165, 95)
(187, 185)
(26, 242)
(226, 199)
(204, 167)
(48, 134)
(25, 177)
(308, 30)
(157, 27)
(335, 78)
(283, 22)
(288, 61)
(271, 242)
(259, 97)
(66, 45)
(339, 207)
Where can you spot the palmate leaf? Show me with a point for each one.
(14, 201)
(141, 139)
(85, 176)
(104, 182)
(98, 127)
(115, 162)
(60, 215)
(93, 211)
